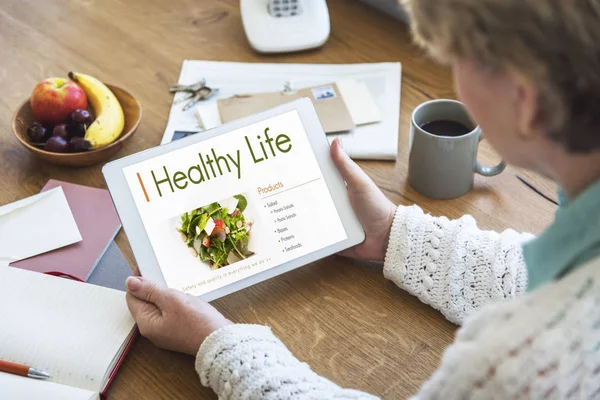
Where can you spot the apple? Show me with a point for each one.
(54, 99)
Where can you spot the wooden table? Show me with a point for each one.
(339, 315)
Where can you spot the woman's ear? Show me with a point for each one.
(526, 105)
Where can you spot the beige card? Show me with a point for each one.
(328, 102)
(359, 101)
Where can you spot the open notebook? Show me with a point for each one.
(77, 332)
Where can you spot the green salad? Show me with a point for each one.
(216, 234)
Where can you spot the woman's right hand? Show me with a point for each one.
(171, 319)
(375, 212)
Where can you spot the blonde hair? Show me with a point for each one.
(555, 43)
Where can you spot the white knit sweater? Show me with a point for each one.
(543, 345)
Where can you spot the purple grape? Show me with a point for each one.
(37, 133)
(57, 144)
(79, 144)
(61, 130)
(77, 129)
(81, 116)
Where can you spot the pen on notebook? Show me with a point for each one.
(23, 370)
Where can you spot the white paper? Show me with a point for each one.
(371, 141)
(36, 225)
(359, 102)
(20, 387)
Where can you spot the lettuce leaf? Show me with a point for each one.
(242, 202)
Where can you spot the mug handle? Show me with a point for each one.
(488, 171)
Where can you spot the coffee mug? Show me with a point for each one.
(443, 160)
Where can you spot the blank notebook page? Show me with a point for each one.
(17, 387)
(74, 331)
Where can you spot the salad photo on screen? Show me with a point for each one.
(218, 233)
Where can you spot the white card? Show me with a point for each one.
(36, 225)
(359, 102)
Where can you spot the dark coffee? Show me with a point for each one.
(444, 127)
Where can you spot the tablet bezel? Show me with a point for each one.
(136, 232)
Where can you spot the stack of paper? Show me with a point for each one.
(98, 224)
(66, 230)
(367, 141)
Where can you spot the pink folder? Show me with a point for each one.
(98, 224)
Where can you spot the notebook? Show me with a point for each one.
(98, 224)
(76, 332)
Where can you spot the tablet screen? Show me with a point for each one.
(234, 205)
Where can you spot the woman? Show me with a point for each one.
(529, 74)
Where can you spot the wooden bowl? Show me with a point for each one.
(132, 110)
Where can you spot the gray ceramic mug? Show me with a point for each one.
(443, 167)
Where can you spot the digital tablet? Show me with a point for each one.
(216, 212)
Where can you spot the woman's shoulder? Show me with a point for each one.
(559, 300)
(532, 343)
(571, 286)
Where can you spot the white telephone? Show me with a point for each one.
(279, 26)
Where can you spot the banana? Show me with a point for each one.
(109, 122)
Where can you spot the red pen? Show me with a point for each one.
(23, 370)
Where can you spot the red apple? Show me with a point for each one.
(53, 100)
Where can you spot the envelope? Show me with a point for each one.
(327, 99)
(36, 225)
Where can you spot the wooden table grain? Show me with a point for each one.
(339, 315)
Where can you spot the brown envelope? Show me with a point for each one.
(328, 102)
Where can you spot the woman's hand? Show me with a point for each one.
(171, 319)
(374, 211)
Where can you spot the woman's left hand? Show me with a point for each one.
(171, 319)
(374, 211)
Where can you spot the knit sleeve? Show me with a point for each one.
(249, 362)
(453, 265)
